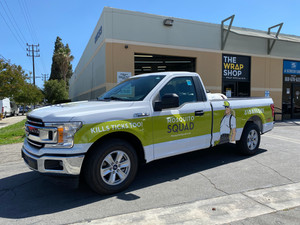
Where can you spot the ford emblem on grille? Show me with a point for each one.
(32, 130)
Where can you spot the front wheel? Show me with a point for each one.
(250, 140)
(111, 167)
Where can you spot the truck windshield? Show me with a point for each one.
(134, 89)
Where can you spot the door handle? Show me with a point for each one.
(141, 114)
(199, 113)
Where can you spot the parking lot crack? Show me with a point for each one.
(213, 184)
(274, 170)
(258, 202)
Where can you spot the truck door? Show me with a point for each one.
(185, 128)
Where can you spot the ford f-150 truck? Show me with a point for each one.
(144, 118)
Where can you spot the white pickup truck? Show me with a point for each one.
(144, 118)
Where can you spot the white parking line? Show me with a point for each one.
(282, 138)
(219, 210)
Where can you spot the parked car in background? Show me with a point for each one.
(23, 109)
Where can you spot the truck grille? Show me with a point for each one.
(37, 134)
(35, 143)
(34, 121)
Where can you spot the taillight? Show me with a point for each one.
(272, 108)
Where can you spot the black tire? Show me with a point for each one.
(96, 166)
(250, 140)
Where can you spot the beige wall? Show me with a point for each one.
(266, 73)
(120, 59)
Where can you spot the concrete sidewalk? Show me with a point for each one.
(11, 120)
(225, 209)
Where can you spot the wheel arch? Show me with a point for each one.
(125, 136)
(256, 120)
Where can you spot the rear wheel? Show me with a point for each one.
(250, 140)
(111, 167)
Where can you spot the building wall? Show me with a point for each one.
(106, 55)
(120, 59)
(266, 75)
(90, 82)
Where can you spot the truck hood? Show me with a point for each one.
(84, 111)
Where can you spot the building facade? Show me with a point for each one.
(246, 63)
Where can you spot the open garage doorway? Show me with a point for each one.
(149, 63)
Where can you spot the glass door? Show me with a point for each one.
(296, 101)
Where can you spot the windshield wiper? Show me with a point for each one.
(114, 98)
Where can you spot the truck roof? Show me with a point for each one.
(183, 73)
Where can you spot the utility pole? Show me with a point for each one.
(45, 76)
(33, 51)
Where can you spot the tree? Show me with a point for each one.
(12, 79)
(61, 68)
(29, 94)
(55, 91)
(63, 59)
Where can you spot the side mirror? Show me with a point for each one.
(169, 100)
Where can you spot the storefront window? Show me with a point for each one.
(291, 90)
(236, 75)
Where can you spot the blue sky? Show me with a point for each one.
(75, 20)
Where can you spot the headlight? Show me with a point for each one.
(65, 134)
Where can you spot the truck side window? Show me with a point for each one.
(182, 86)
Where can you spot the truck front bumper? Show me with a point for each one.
(54, 164)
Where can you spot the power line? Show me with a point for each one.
(24, 39)
(30, 21)
(26, 18)
(11, 22)
(31, 28)
(3, 58)
(12, 32)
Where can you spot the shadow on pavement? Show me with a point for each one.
(31, 194)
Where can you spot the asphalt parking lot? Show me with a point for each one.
(211, 186)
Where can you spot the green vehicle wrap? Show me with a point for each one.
(159, 129)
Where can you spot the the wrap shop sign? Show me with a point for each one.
(235, 68)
